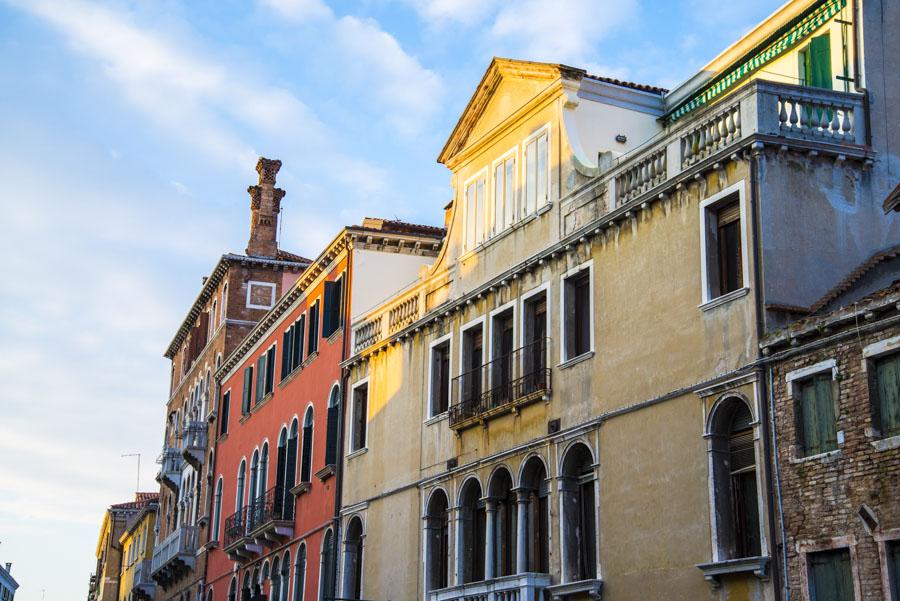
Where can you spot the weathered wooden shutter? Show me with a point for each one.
(291, 463)
(328, 313)
(306, 455)
(248, 389)
(260, 377)
(270, 370)
(223, 417)
(887, 375)
(817, 415)
(313, 342)
(287, 348)
(830, 576)
(299, 333)
(820, 62)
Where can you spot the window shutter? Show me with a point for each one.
(299, 333)
(286, 350)
(305, 467)
(332, 434)
(820, 62)
(291, 463)
(887, 375)
(270, 370)
(260, 377)
(328, 312)
(248, 388)
(338, 303)
(223, 418)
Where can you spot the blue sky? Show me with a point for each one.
(128, 136)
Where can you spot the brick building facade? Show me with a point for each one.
(835, 380)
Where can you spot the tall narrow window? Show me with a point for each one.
(313, 343)
(535, 489)
(830, 576)
(300, 573)
(287, 352)
(501, 372)
(893, 557)
(579, 520)
(290, 471)
(332, 318)
(534, 334)
(724, 270)
(281, 507)
(359, 417)
(440, 378)
(327, 571)
(471, 545)
(285, 577)
(887, 394)
(475, 212)
(239, 494)
(504, 206)
(232, 590)
(353, 560)
(248, 390)
(502, 535)
(263, 471)
(472, 379)
(254, 478)
(297, 342)
(217, 509)
(818, 433)
(306, 455)
(226, 407)
(260, 378)
(577, 313)
(270, 370)
(437, 541)
(537, 189)
(224, 306)
(331, 440)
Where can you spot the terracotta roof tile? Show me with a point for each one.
(630, 84)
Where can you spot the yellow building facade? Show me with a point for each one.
(135, 583)
(568, 402)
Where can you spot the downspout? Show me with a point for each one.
(339, 454)
(857, 75)
(756, 217)
(784, 567)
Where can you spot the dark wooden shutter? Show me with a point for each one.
(313, 343)
(270, 370)
(306, 455)
(332, 434)
(818, 431)
(328, 312)
(830, 576)
(260, 376)
(299, 333)
(894, 568)
(287, 348)
(223, 417)
(291, 464)
(248, 389)
(887, 377)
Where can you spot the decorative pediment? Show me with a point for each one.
(505, 87)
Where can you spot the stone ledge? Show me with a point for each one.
(714, 571)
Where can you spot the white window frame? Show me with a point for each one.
(352, 415)
(589, 266)
(513, 304)
(514, 154)
(705, 207)
(545, 128)
(268, 285)
(524, 298)
(431, 346)
(470, 245)
(480, 320)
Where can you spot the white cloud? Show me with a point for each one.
(441, 12)
(300, 10)
(566, 31)
(405, 92)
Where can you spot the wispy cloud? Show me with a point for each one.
(445, 12)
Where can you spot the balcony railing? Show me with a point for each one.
(503, 384)
(193, 443)
(170, 463)
(175, 555)
(236, 526)
(518, 587)
(142, 584)
(269, 508)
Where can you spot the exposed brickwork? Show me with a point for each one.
(823, 494)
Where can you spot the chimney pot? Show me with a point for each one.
(8, 567)
(265, 204)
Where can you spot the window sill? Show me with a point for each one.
(724, 299)
(576, 360)
(222, 437)
(435, 419)
(826, 457)
(886, 444)
(714, 571)
(325, 473)
(244, 418)
(211, 416)
(310, 358)
(285, 380)
(335, 335)
(593, 589)
(358, 452)
(500, 236)
(301, 489)
(261, 403)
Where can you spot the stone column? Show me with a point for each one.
(490, 509)
(522, 501)
(457, 517)
(568, 518)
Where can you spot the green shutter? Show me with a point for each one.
(830, 576)
(260, 377)
(248, 388)
(894, 568)
(819, 61)
(817, 415)
(887, 376)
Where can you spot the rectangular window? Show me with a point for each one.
(287, 349)
(887, 394)
(332, 318)
(248, 390)
(817, 425)
(270, 370)
(537, 189)
(817, 63)
(724, 248)
(299, 334)
(534, 336)
(502, 343)
(260, 378)
(312, 344)
(475, 213)
(830, 576)
(440, 378)
(504, 207)
(577, 314)
(359, 417)
(223, 418)
(472, 360)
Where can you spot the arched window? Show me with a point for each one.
(217, 509)
(284, 577)
(232, 589)
(241, 476)
(437, 542)
(535, 492)
(290, 470)
(282, 504)
(224, 308)
(256, 584)
(209, 594)
(579, 531)
(212, 319)
(327, 576)
(300, 573)
(353, 558)
(306, 457)
(331, 440)
(501, 525)
(734, 477)
(471, 542)
(263, 471)
(254, 478)
(275, 589)
(247, 590)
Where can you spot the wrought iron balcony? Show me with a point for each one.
(238, 544)
(518, 587)
(193, 444)
(271, 516)
(501, 386)
(175, 555)
(170, 464)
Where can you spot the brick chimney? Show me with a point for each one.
(265, 204)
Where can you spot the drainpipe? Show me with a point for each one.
(784, 567)
(755, 219)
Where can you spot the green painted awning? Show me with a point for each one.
(815, 18)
